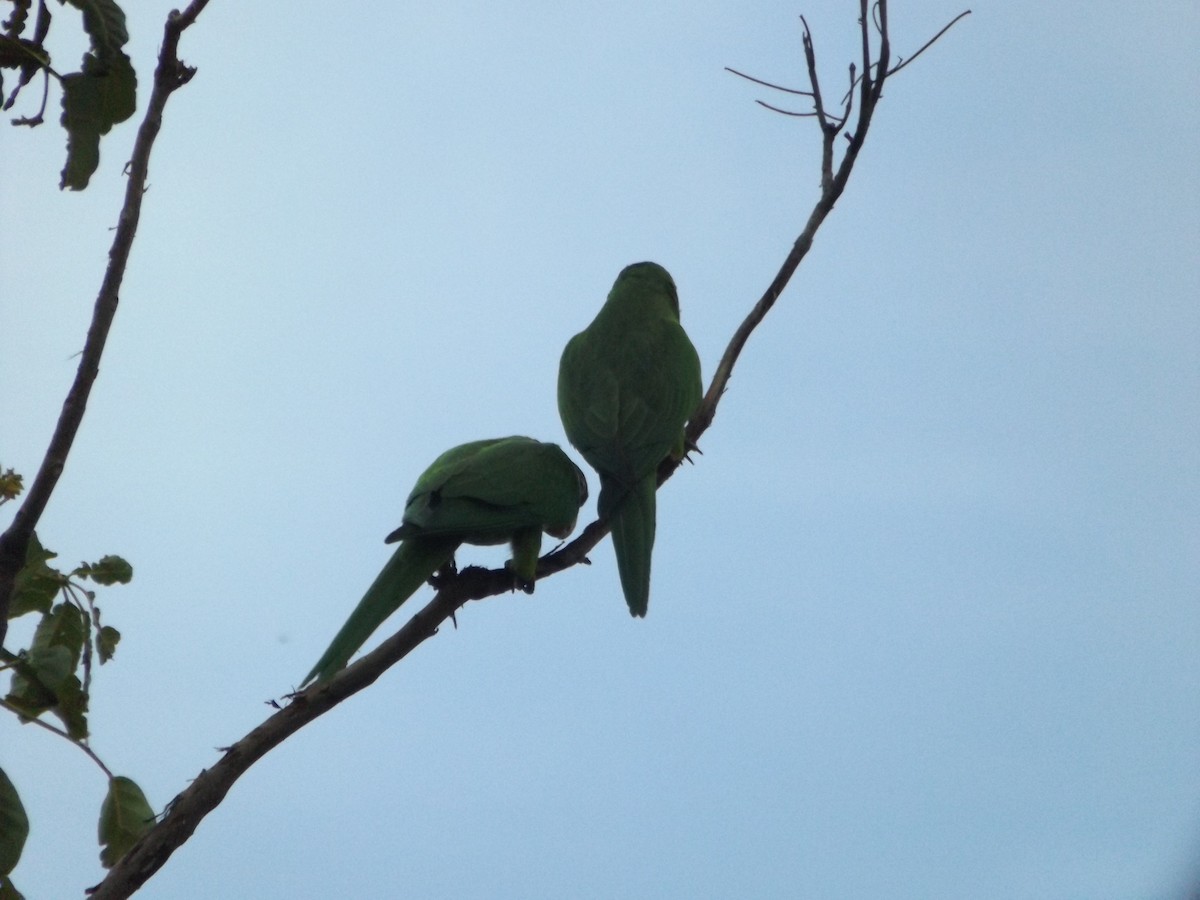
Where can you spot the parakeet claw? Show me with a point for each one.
(690, 447)
(439, 578)
(518, 580)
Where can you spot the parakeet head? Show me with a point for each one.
(561, 530)
(648, 281)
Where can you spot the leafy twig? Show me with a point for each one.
(170, 75)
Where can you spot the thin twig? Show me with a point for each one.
(772, 85)
(62, 734)
(787, 112)
(848, 98)
(929, 43)
(827, 129)
(810, 60)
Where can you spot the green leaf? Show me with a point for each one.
(12, 55)
(109, 570)
(94, 100)
(104, 21)
(52, 665)
(14, 826)
(107, 643)
(71, 708)
(64, 628)
(117, 84)
(8, 890)
(31, 698)
(124, 817)
(45, 678)
(37, 584)
(15, 23)
(27, 695)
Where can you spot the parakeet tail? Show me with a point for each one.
(633, 539)
(412, 563)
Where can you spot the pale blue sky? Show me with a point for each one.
(925, 615)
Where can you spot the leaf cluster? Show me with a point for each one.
(101, 94)
(53, 675)
(46, 676)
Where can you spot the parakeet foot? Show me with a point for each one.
(690, 447)
(439, 578)
(519, 581)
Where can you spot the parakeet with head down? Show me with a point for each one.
(627, 385)
(502, 490)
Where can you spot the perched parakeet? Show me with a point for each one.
(627, 385)
(502, 490)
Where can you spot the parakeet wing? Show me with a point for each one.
(626, 392)
(483, 491)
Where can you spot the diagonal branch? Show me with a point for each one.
(170, 75)
(206, 792)
(832, 185)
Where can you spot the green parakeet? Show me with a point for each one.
(627, 385)
(502, 490)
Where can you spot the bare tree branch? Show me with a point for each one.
(901, 63)
(877, 14)
(170, 75)
(778, 87)
(787, 112)
(206, 792)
